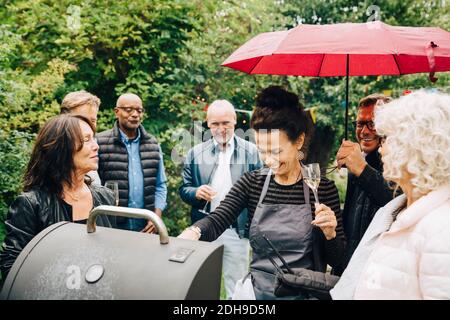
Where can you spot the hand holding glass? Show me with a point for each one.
(207, 201)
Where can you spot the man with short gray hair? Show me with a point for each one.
(210, 170)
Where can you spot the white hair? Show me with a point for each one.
(222, 104)
(417, 130)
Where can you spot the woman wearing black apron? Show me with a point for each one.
(280, 205)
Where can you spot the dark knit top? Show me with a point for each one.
(245, 194)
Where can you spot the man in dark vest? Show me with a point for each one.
(367, 191)
(131, 157)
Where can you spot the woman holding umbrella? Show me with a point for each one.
(281, 207)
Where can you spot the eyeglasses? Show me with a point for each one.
(360, 124)
(131, 110)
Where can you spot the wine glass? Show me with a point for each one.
(204, 208)
(311, 175)
(114, 186)
(206, 204)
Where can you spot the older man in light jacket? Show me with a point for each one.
(210, 170)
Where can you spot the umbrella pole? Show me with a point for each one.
(346, 97)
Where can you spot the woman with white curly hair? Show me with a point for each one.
(405, 253)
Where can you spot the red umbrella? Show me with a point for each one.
(345, 49)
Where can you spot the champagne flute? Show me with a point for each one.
(206, 204)
(114, 186)
(311, 175)
(204, 208)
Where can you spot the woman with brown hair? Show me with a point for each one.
(84, 104)
(56, 187)
(280, 206)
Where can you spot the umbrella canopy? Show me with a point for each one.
(345, 49)
(353, 49)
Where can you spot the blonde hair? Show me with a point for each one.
(417, 130)
(77, 99)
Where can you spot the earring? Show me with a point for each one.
(300, 155)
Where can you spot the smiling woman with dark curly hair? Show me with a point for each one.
(280, 206)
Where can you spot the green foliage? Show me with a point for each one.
(222, 28)
(15, 148)
(27, 99)
(104, 47)
(340, 180)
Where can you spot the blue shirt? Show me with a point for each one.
(136, 175)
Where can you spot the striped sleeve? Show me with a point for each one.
(227, 212)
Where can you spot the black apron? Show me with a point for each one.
(289, 228)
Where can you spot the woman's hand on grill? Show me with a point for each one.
(189, 234)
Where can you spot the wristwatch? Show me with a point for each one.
(196, 229)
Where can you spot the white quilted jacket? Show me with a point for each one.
(412, 259)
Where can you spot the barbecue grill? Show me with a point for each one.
(66, 261)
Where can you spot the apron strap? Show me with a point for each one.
(265, 187)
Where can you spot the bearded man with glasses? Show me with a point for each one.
(367, 190)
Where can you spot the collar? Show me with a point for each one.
(117, 137)
(125, 138)
(421, 208)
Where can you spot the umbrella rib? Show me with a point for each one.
(396, 63)
(388, 28)
(321, 62)
(255, 65)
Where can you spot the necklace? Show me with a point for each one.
(291, 188)
(75, 197)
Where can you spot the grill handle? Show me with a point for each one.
(129, 213)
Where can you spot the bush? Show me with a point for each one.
(15, 150)
(340, 180)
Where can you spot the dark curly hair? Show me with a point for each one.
(277, 108)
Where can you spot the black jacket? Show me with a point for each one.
(113, 164)
(36, 210)
(365, 195)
